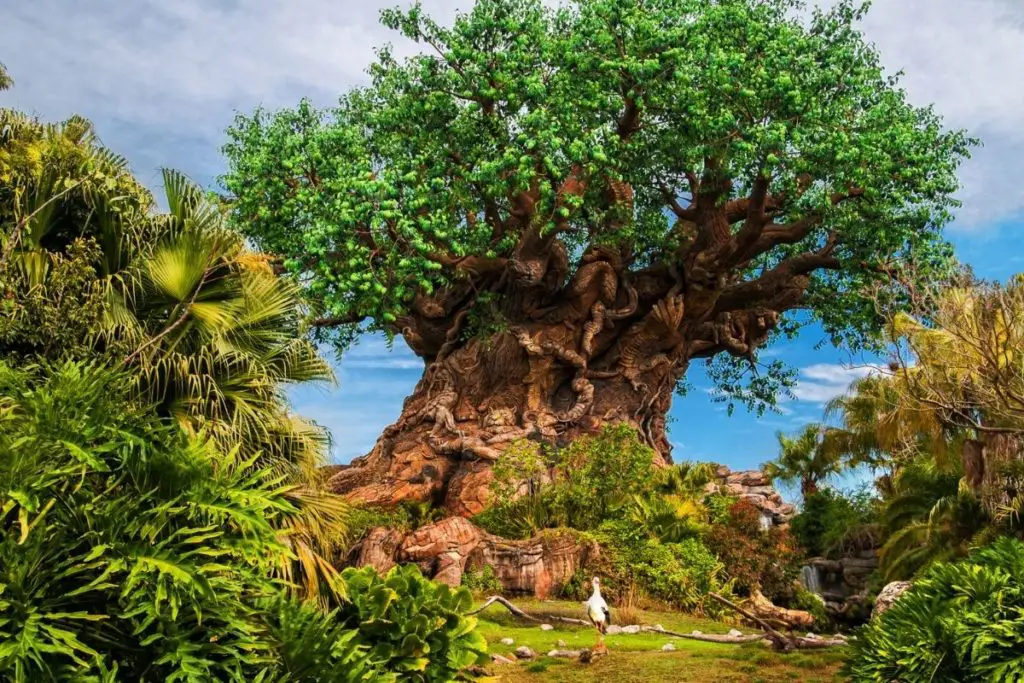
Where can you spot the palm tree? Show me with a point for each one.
(210, 334)
(802, 458)
(928, 518)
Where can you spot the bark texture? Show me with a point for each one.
(541, 346)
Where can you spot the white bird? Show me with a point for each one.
(597, 610)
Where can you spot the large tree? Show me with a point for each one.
(561, 209)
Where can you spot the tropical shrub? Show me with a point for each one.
(482, 581)
(675, 574)
(577, 487)
(753, 557)
(125, 546)
(829, 520)
(132, 551)
(414, 626)
(311, 645)
(961, 621)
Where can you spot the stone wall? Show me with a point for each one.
(754, 486)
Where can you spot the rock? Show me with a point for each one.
(668, 647)
(498, 659)
(568, 654)
(734, 633)
(378, 549)
(523, 652)
(561, 643)
(446, 549)
(812, 636)
(547, 627)
(631, 629)
(614, 630)
(442, 546)
(696, 633)
(507, 641)
(658, 627)
(888, 596)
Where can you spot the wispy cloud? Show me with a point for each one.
(822, 382)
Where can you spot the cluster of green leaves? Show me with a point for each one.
(128, 550)
(132, 551)
(379, 198)
(961, 621)
(679, 574)
(830, 521)
(416, 627)
(90, 270)
(577, 487)
(483, 581)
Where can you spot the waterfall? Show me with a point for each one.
(810, 577)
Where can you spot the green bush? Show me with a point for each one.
(962, 621)
(482, 581)
(125, 546)
(595, 477)
(413, 626)
(311, 645)
(129, 551)
(676, 574)
(829, 519)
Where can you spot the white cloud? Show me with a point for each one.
(162, 79)
(822, 382)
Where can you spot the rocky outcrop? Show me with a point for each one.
(754, 486)
(845, 577)
(446, 549)
(888, 596)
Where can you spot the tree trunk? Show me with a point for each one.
(467, 409)
(535, 352)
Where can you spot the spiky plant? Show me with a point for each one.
(207, 331)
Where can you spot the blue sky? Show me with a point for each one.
(162, 80)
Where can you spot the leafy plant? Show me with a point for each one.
(804, 458)
(124, 546)
(754, 557)
(961, 621)
(483, 580)
(413, 626)
(831, 522)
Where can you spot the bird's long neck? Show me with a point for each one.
(597, 592)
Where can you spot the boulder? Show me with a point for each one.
(888, 596)
(523, 652)
(378, 549)
(668, 647)
(547, 627)
(507, 641)
(498, 659)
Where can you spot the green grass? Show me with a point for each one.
(638, 658)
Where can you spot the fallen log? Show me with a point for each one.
(790, 618)
(779, 640)
(497, 599)
(704, 637)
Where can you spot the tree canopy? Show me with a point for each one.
(739, 148)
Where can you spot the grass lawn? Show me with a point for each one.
(638, 658)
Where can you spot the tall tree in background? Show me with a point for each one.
(805, 459)
(560, 209)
